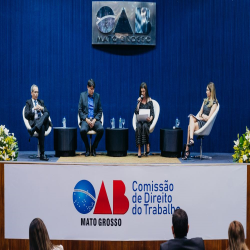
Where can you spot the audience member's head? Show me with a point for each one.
(38, 236)
(180, 223)
(236, 236)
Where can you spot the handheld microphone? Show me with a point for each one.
(141, 98)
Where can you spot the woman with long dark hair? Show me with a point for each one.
(39, 237)
(208, 107)
(142, 128)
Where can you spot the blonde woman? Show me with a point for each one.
(208, 107)
(39, 237)
(236, 236)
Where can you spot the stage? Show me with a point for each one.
(131, 158)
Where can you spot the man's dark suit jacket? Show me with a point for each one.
(83, 108)
(30, 116)
(183, 244)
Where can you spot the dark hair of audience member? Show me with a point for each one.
(180, 223)
(236, 236)
(91, 83)
(38, 236)
(144, 86)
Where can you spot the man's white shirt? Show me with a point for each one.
(35, 111)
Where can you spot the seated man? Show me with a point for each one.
(180, 229)
(37, 115)
(90, 112)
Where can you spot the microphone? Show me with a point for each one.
(141, 98)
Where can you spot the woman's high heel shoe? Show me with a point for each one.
(191, 142)
(139, 156)
(186, 155)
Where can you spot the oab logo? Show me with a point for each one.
(105, 21)
(84, 198)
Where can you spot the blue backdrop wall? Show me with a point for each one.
(48, 43)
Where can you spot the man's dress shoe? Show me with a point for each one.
(93, 152)
(43, 157)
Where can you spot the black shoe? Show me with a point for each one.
(191, 142)
(32, 131)
(183, 151)
(186, 155)
(87, 153)
(93, 152)
(43, 157)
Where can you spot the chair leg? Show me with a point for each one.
(38, 150)
(90, 139)
(202, 157)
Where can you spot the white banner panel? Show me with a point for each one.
(123, 202)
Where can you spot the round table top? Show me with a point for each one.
(64, 128)
(171, 129)
(116, 129)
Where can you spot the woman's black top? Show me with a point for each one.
(206, 111)
(148, 105)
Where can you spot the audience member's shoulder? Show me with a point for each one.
(164, 246)
(198, 242)
(59, 247)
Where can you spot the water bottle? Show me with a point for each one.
(120, 122)
(112, 121)
(177, 122)
(64, 122)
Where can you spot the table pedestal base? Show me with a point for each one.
(117, 153)
(170, 154)
(65, 153)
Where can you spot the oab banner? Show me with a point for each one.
(78, 202)
(123, 23)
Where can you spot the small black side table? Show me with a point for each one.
(117, 141)
(171, 141)
(65, 141)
